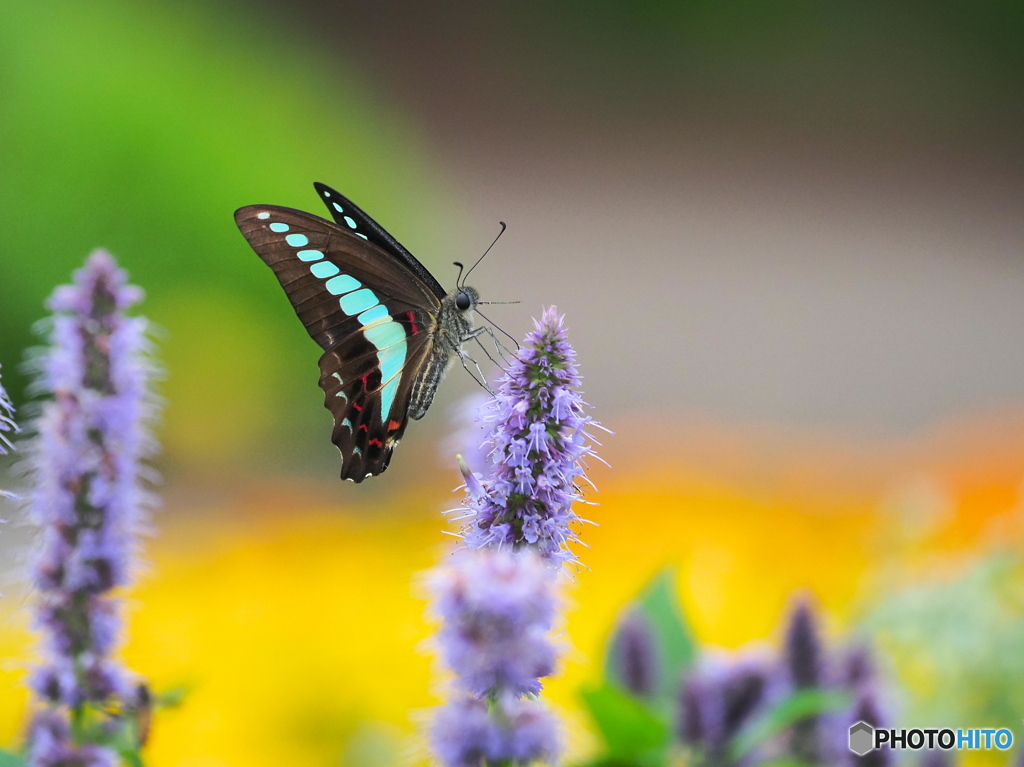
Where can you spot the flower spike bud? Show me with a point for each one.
(473, 485)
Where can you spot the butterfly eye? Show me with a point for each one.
(462, 302)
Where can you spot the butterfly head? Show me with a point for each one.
(454, 317)
(465, 298)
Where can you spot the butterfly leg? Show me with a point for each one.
(482, 380)
(474, 335)
(485, 351)
(499, 347)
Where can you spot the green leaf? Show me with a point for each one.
(787, 712)
(7, 759)
(171, 697)
(132, 758)
(659, 602)
(633, 731)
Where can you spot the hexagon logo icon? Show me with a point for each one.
(862, 738)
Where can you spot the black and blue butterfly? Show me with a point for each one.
(388, 329)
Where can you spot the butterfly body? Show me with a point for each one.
(389, 331)
(454, 327)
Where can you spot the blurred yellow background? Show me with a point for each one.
(296, 627)
(787, 238)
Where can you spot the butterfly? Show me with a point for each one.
(388, 329)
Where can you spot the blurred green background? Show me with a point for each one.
(788, 238)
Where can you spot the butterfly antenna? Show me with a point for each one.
(504, 226)
(461, 267)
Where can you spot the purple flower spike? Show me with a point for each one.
(866, 710)
(87, 495)
(496, 600)
(497, 610)
(803, 647)
(803, 657)
(718, 699)
(858, 667)
(536, 438)
(635, 655)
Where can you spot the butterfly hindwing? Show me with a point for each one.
(369, 311)
(368, 400)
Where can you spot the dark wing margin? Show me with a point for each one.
(346, 213)
(354, 392)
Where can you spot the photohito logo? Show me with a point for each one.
(864, 738)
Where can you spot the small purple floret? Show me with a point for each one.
(51, 746)
(515, 732)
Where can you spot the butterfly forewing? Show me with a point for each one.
(373, 316)
(317, 264)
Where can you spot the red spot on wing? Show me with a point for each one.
(364, 427)
(365, 378)
(392, 425)
(413, 328)
(357, 406)
(376, 442)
